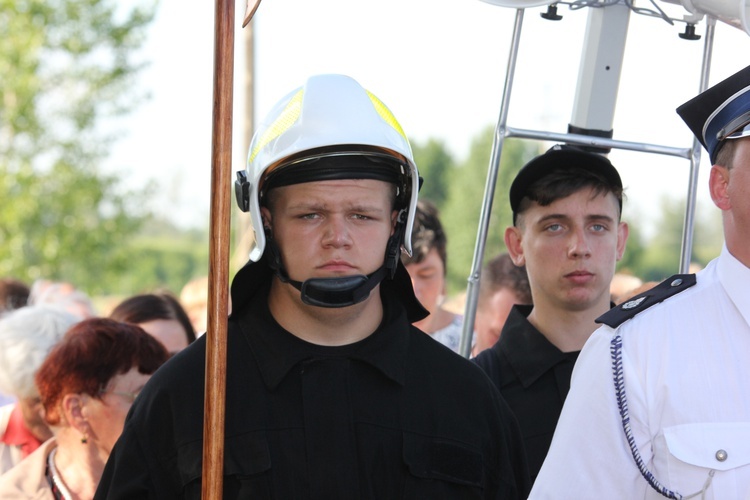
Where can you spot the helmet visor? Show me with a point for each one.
(348, 166)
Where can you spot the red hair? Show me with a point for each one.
(89, 356)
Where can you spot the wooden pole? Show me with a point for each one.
(219, 236)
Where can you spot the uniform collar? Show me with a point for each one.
(277, 351)
(734, 277)
(526, 350)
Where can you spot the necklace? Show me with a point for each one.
(56, 476)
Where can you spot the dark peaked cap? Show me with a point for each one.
(720, 112)
(559, 157)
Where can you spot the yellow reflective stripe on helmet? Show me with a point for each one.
(285, 120)
(386, 114)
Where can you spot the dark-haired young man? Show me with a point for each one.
(658, 406)
(567, 231)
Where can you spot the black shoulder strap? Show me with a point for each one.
(671, 286)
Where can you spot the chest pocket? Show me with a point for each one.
(441, 469)
(247, 466)
(697, 449)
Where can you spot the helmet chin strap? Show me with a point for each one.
(346, 290)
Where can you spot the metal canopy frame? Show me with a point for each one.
(594, 109)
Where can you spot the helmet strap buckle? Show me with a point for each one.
(242, 191)
(330, 292)
(393, 248)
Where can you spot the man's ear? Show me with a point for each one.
(513, 236)
(265, 215)
(623, 231)
(718, 184)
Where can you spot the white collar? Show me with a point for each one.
(734, 276)
(56, 475)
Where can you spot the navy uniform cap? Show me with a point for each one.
(720, 112)
(559, 157)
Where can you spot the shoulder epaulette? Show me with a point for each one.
(671, 286)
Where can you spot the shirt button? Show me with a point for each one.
(721, 455)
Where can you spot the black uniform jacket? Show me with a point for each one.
(534, 378)
(396, 415)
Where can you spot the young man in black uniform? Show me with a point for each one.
(331, 393)
(567, 232)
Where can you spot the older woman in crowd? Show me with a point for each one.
(87, 385)
(26, 337)
(161, 315)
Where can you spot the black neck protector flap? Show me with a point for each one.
(254, 276)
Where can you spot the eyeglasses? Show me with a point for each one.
(130, 396)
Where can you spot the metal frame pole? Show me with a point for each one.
(695, 158)
(472, 294)
(585, 117)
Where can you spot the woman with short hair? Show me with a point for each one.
(87, 385)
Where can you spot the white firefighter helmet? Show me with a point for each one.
(330, 118)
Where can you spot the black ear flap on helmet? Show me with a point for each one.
(242, 191)
(393, 248)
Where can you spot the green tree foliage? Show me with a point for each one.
(60, 225)
(66, 65)
(434, 163)
(461, 211)
(167, 259)
(708, 237)
(662, 256)
(635, 248)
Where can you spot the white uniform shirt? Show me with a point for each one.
(686, 366)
